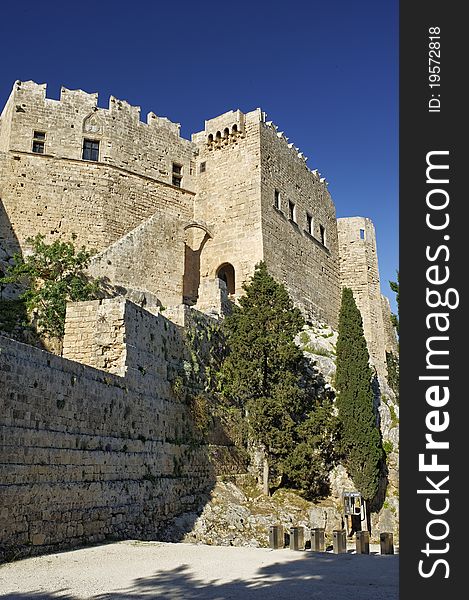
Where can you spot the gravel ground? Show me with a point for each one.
(131, 569)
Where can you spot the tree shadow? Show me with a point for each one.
(367, 577)
(9, 246)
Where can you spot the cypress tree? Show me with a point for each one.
(361, 438)
(265, 375)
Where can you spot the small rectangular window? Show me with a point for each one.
(38, 147)
(362, 234)
(177, 175)
(291, 211)
(39, 138)
(322, 233)
(277, 202)
(309, 223)
(90, 149)
(203, 167)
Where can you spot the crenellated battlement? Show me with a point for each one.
(24, 91)
(294, 150)
(220, 130)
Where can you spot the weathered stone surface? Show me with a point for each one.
(237, 514)
(359, 271)
(89, 454)
(166, 214)
(94, 444)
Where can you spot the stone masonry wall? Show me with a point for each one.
(150, 257)
(147, 149)
(306, 262)
(359, 271)
(95, 334)
(88, 455)
(228, 194)
(100, 201)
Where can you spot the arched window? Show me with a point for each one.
(210, 138)
(226, 132)
(226, 273)
(234, 129)
(218, 136)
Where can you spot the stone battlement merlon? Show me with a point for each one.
(22, 90)
(232, 122)
(295, 151)
(75, 127)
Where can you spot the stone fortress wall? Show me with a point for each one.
(96, 452)
(100, 431)
(56, 193)
(299, 227)
(172, 216)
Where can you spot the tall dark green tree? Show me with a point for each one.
(265, 375)
(361, 438)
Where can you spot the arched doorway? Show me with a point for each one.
(226, 273)
(193, 247)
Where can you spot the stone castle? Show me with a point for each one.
(184, 220)
(93, 443)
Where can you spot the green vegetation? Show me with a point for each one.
(394, 285)
(52, 275)
(388, 447)
(361, 438)
(266, 376)
(394, 418)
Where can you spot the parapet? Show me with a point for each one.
(84, 100)
(231, 123)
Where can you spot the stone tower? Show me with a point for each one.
(261, 202)
(359, 271)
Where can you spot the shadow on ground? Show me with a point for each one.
(326, 577)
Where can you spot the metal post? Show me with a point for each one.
(363, 542)
(317, 539)
(276, 537)
(297, 538)
(339, 541)
(386, 543)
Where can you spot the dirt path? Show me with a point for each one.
(129, 570)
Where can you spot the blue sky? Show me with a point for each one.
(325, 72)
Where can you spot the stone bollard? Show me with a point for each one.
(386, 543)
(276, 537)
(317, 539)
(339, 541)
(297, 538)
(363, 542)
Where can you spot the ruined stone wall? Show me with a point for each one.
(228, 194)
(59, 193)
(88, 455)
(306, 262)
(359, 271)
